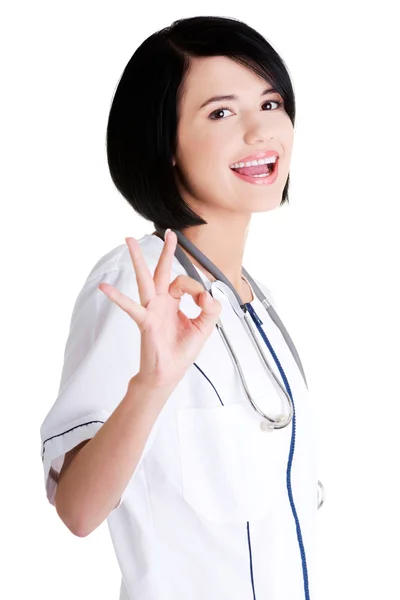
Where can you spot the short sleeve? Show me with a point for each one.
(102, 354)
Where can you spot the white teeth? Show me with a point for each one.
(253, 163)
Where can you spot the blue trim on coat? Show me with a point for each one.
(251, 560)
(209, 380)
(66, 431)
(258, 323)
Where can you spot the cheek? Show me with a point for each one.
(205, 155)
(287, 135)
(211, 143)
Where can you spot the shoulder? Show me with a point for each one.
(267, 291)
(116, 268)
(119, 258)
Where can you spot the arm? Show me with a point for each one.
(96, 472)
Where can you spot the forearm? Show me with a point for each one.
(93, 483)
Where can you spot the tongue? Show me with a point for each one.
(256, 170)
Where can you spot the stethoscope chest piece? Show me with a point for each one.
(269, 427)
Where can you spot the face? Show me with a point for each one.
(215, 136)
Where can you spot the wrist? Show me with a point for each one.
(141, 386)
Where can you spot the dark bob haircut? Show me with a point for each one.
(142, 125)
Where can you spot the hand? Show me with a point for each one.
(170, 342)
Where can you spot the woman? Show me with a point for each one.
(152, 429)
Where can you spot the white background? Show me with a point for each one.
(331, 259)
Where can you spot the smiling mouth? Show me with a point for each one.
(257, 170)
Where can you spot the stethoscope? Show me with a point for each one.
(242, 312)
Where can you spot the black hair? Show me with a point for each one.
(142, 125)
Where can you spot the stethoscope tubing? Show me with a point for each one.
(280, 422)
(240, 308)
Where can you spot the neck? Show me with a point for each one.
(223, 244)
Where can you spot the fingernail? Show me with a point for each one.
(166, 232)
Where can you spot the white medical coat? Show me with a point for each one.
(207, 513)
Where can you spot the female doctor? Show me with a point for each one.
(152, 428)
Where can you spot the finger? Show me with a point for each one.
(132, 308)
(144, 279)
(162, 273)
(183, 284)
(211, 309)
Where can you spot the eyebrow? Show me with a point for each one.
(234, 97)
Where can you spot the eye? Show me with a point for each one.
(217, 111)
(278, 102)
(220, 110)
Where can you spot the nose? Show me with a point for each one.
(257, 130)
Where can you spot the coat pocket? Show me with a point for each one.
(233, 470)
